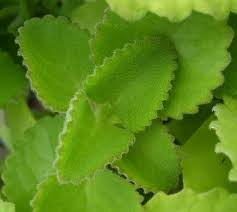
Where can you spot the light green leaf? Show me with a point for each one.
(6, 207)
(106, 192)
(89, 14)
(203, 169)
(56, 54)
(202, 55)
(226, 127)
(135, 81)
(230, 85)
(31, 162)
(152, 162)
(216, 200)
(89, 140)
(13, 82)
(175, 10)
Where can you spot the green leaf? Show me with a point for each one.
(202, 55)
(13, 83)
(56, 54)
(203, 169)
(152, 162)
(89, 140)
(135, 81)
(31, 162)
(229, 87)
(89, 14)
(226, 128)
(6, 207)
(216, 200)
(175, 10)
(106, 192)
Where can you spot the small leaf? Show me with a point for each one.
(89, 140)
(226, 128)
(216, 200)
(135, 81)
(202, 55)
(31, 162)
(203, 169)
(13, 82)
(175, 10)
(152, 162)
(6, 207)
(56, 54)
(89, 14)
(106, 192)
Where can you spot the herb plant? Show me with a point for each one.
(118, 105)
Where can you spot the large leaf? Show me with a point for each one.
(31, 162)
(106, 192)
(175, 10)
(135, 81)
(226, 127)
(216, 200)
(203, 168)
(153, 161)
(201, 53)
(13, 83)
(56, 54)
(89, 140)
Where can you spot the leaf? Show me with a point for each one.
(89, 140)
(229, 87)
(225, 128)
(6, 207)
(183, 129)
(203, 169)
(176, 10)
(202, 55)
(106, 192)
(135, 81)
(56, 54)
(152, 162)
(89, 14)
(13, 82)
(216, 200)
(31, 162)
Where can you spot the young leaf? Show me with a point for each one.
(89, 140)
(135, 81)
(106, 192)
(56, 54)
(152, 162)
(226, 128)
(89, 14)
(176, 10)
(31, 162)
(216, 200)
(203, 169)
(202, 55)
(13, 82)
(6, 207)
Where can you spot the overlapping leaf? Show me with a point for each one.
(31, 162)
(203, 168)
(56, 54)
(226, 129)
(201, 53)
(135, 81)
(13, 82)
(153, 161)
(6, 207)
(216, 200)
(89, 140)
(175, 10)
(106, 192)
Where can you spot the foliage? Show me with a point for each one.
(117, 105)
